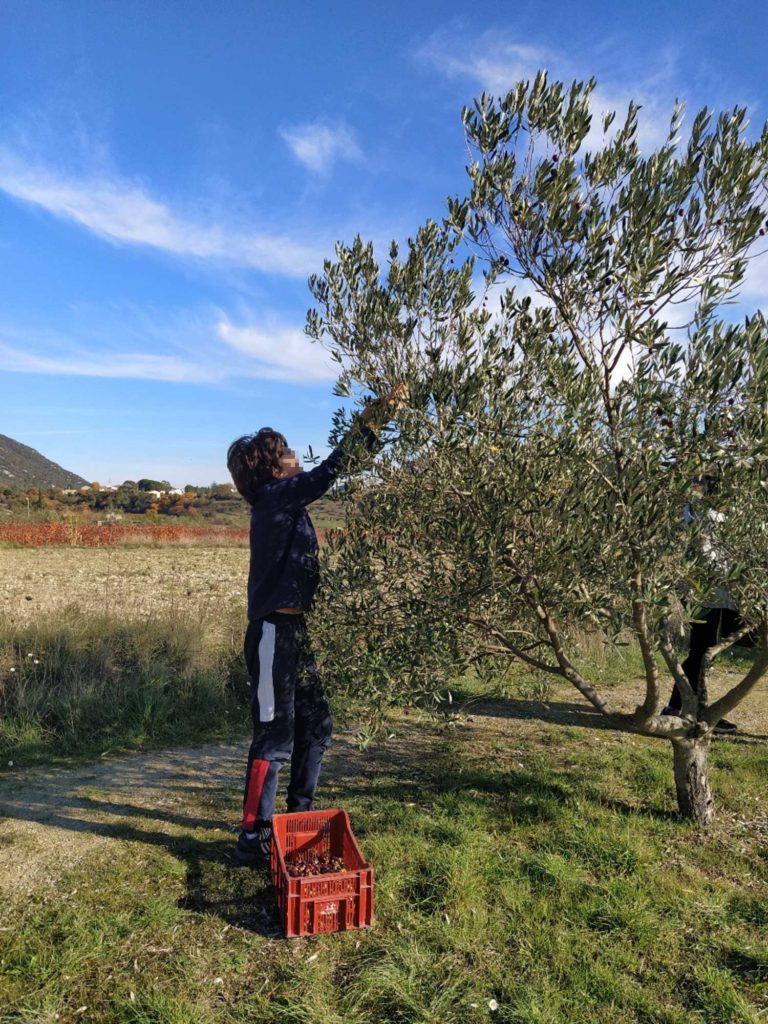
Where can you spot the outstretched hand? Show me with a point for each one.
(382, 408)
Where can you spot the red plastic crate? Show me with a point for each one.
(320, 903)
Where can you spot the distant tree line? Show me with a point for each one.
(144, 497)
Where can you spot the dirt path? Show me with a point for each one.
(52, 820)
(566, 707)
(59, 817)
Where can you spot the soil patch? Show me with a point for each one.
(52, 820)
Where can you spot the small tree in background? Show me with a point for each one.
(534, 488)
(152, 485)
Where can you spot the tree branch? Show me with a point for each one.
(709, 656)
(640, 619)
(517, 652)
(735, 695)
(687, 693)
(567, 669)
(666, 726)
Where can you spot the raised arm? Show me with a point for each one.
(305, 488)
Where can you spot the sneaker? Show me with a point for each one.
(725, 728)
(254, 852)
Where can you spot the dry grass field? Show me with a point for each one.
(114, 648)
(133, 581)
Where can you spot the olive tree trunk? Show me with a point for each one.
(691, 760)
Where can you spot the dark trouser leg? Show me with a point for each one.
(271, 657)
(704, 634)
(312, 730)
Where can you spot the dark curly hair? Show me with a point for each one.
(253, 459)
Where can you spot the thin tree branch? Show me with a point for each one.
(709, 656)
(567, 668)
(513, 649)
(735, 695)
(651, 704)
(687, 693)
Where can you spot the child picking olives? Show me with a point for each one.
(291, 718)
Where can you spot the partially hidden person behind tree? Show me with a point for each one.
(291, 717)
(719, 618)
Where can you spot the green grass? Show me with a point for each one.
(546, 871)
(75, 686)
(538, 869)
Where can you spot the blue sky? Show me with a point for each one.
(171, 173)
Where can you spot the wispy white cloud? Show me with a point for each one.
(191, 348)
(496, 62)
(72, 360)
(281, 353)
(319, 144)
(124, 213)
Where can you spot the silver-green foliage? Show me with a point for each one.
(537, 477)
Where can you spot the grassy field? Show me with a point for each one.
(524, 864)
(104, 650)
(530, 867)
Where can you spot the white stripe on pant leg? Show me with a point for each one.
(266, 690)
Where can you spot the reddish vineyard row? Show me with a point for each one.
(91, 535)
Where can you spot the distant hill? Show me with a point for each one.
(21, 466)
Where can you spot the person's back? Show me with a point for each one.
(283, 568)
(291, 718)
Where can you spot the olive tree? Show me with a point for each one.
(573, 378)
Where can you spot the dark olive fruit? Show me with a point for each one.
(314, 864)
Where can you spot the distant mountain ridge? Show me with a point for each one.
(22, 466)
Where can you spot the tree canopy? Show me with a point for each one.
(574, 380)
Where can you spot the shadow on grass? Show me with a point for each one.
(214, 884)
(748, 964)
(583, 716)
(566, 713)
(390, 789)
(642, 811)
(186, 802)
(148, 803)
(243, 897)
(746, 738)
(132, 799)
